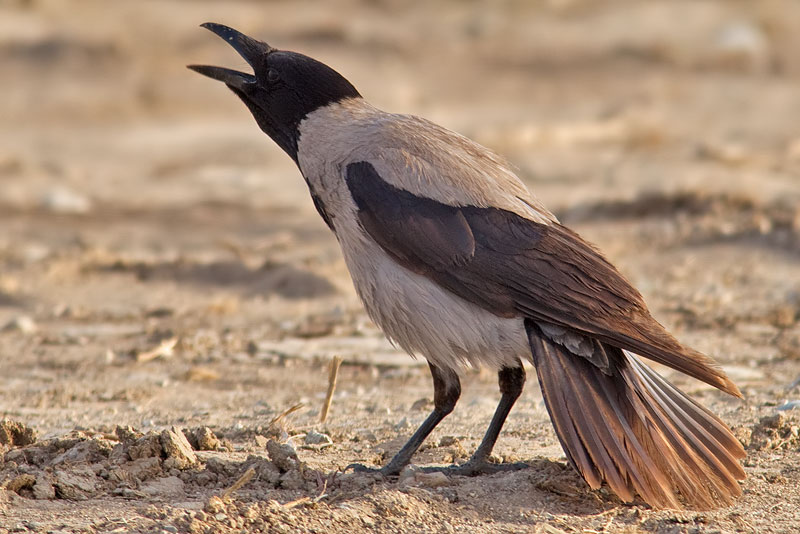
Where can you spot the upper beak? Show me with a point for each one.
(250, 49)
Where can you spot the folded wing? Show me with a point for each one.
(513, 267)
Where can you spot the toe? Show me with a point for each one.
(361, 468)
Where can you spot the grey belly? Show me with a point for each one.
(425, 319)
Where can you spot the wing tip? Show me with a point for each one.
(731, 388)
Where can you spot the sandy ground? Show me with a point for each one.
(167, 290)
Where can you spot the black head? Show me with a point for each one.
(285, 87)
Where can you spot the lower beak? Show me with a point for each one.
(231, 77)
(250, 49)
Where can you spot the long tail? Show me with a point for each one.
(626, 426)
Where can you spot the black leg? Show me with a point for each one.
(446, 391)
(512, 380)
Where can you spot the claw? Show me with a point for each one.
(361, 468)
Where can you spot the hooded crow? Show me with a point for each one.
(457, 261)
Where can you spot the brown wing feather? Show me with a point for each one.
(513, 266)
(562, 279)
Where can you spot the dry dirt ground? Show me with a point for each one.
(167, 290)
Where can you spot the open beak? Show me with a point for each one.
(250, 49)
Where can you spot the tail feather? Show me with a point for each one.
(629, 428)
(697, 462)
(719, 444)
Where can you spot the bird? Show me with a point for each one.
(458, 262)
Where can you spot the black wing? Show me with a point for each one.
(513, 266)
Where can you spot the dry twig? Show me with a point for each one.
(333, 372)
(278, 418)
(164, 349)
(298, 502)
(244, 479)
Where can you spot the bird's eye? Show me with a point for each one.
(272, 75)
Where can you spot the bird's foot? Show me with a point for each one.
(474, 468)
(385, 471)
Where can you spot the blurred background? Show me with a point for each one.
(139, 202)
(161, 261)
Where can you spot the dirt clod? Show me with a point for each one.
(147, 446)
(215, 505)
(43, 488)
(292, 480)
(177, 449)
(20, 483)
(84, 451)
(778, 431)
(77, 484)
(203, 439)
(16, 434)
(265, 470)
(283, 455)
(164, 488)
(137, 471)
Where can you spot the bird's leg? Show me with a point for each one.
(511, 380)
(446, 391)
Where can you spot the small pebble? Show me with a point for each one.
(423, 404)
(403, 424)
(408, 474)
(283, 455)
(447, 441)
(63, 200)
(317, 438)
(742, 39)
(23, 324)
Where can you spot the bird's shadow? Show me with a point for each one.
(544, 487)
